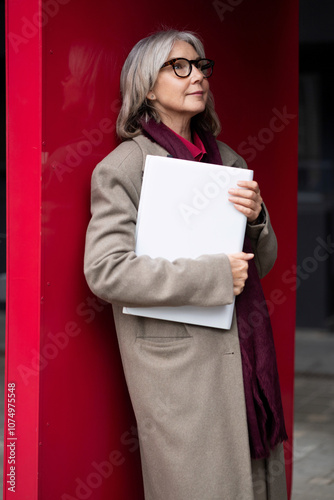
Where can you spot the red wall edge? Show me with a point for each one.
(24, 63)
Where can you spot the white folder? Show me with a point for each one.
(184, 212)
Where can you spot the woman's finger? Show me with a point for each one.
(253, 185)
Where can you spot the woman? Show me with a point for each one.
(206, 401)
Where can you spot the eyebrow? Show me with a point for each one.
(182, 57)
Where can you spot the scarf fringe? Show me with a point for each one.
(276, 434)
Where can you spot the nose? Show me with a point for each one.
(196, 74)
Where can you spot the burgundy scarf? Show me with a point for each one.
(264, 408)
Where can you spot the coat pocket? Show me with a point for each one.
(153, 331)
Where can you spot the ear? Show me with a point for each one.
(150, 96)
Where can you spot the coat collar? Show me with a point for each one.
(148, 147)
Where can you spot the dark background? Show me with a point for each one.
(315, 296)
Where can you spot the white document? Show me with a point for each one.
(184, 212)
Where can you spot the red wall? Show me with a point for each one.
(75, 425)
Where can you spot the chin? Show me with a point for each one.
(198, 110)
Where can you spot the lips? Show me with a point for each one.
(199, 92)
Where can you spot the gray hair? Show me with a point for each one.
(139, 74)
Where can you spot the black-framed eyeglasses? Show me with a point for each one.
(182, 67)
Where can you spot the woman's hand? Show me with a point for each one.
(239, 267)
(247, 200)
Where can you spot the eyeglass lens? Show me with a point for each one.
(182, 67)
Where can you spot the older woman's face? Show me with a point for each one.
(178, 98)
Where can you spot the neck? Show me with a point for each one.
(181, 127)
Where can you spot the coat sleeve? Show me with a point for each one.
(263, 240)
(264, 244)
(113, 270)
(262, 236)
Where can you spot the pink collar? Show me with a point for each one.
(197, 149)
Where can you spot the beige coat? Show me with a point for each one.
(185, 381)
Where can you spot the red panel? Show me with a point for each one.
(87, 434)
(23, 249)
